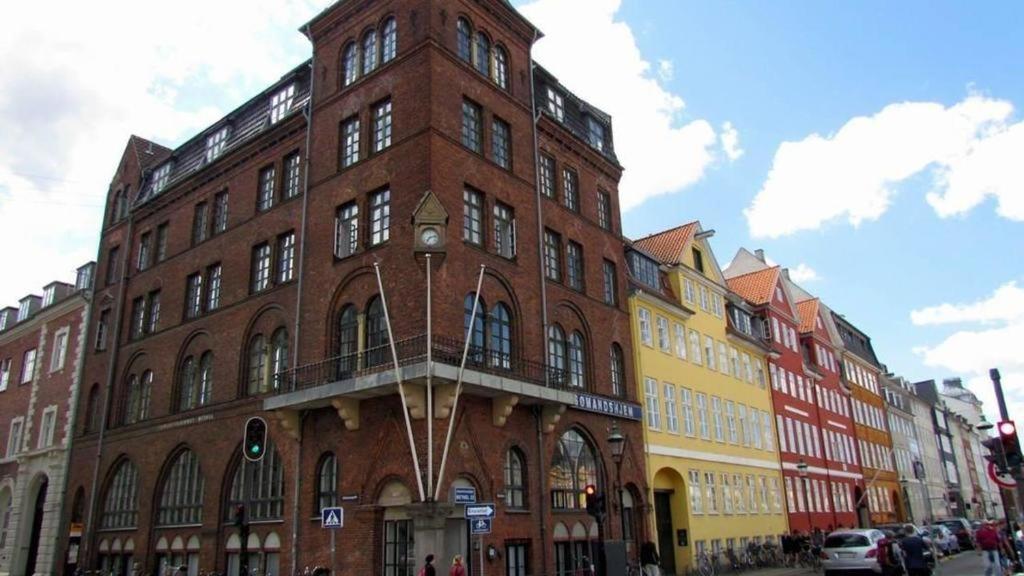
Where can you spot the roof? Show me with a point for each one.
(667, 246)
(808, 311)
(148, 152)
(755, 287)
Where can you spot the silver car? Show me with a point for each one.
(944, 539)
(849, 552)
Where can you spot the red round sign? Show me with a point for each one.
(1003, 480)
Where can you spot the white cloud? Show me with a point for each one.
(665, 70)
(803, 273)
(74, 87)
(597, 57)
(1005, 305)
(971, 147)
(730, 141)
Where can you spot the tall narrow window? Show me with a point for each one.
(348, 341)
(213, 274)
(376, 333)
(327, 482)
(138, 317)
(260, 268)
(161, 242)
(160, 177)
(501, 67)
(577, 361)
(501, 143)
(292, 172)
(278, 357)
(215, 144)
(552, 256)
(28, 366)
(369, 52)
(604, 210)
(574, 265)
(515, 479)
(220, 212)
(286, 257)
(500, 330)
(113, 264)
(145, 251)
(257, 381)
(504, 230)
(152, 311)
(350, 141)
(556, 353)
(181, 500)
(380, 217)
(346, 238)
(547, 176)
(389, 40)
(570, 188)
(193, 295)
(382, 126)
(200, 223)
(595, 133)
(265, 198)
(618, 371)
(472, 217)
(556, 104)
(351, 63)
(653, 404)
(482, 56)
(474, 326)
(464, 40)
(610, 283)
(472, 129)
(187, 390)
(121, 502)
(281, 103)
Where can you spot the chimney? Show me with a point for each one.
(760, 254)
(785, 274)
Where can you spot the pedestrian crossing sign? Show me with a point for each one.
(332, 517)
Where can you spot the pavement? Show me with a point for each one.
(963, 564)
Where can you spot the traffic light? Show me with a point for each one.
(240, 520)
(1011, 443)
(255, 444)
(995, 453)
(595, 501)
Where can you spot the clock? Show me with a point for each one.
(430, 237)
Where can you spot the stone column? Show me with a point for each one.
(428, 524)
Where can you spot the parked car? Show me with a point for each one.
(944, 539)
(848, 552)
(961, 528)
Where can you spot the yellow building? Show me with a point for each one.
(712, 459)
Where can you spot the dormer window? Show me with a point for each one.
(49, 295)
(595, 133)
(83, 281)
(698, 261)
(161, 176)
(215, 144)
(281, 103)
(23, 309)
(645, 270)
(556, 104)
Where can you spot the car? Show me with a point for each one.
(898, 531)
(944, 539)
(850, 552)
(961, 528)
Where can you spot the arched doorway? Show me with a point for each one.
(5, 518)
(863, 514)
(671, 520)
(36, 523)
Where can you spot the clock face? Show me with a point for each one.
(430, 237)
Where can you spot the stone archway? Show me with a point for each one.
(30, 529)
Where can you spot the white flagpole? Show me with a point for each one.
(430, 389)
(398, 378)
(458, 386)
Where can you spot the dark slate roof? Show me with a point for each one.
(576, 112)
(856, 341)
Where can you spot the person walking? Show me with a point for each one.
(457, 568)
(914, 547)
(988, 541)
(649, 559)
(428, 566)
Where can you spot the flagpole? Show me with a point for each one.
(430, 388)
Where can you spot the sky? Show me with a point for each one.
(871, 147)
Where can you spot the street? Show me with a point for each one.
(963, 564)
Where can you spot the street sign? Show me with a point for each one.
(1003, 480)
(475, 511)
(332, 517)
(464, 495)
(480, 526)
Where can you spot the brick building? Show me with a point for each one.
(281, 264)
(41, 349)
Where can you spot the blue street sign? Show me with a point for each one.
(474, 511)
(480, 526)
(465, 495)
(332, 517)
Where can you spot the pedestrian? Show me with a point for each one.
(649, 559)
(428, 566)
(914, 547)
(888, 558)
(988, 541)
(457, 568)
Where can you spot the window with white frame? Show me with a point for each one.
(694, 346)
(696, 496)
(47, 425)
(5, 373)
(644, 317)
(711, 492)
(702, 415)
(14, 439)
(663, 335)
(556, 104)
(281, 103)
(653, 405)
(671, 416)
(686, 396)
(349, 141)
(680, 342)
(215, 144)
(730, 420)
(346, 230)
(60, 349)
(382, 125)
(28, 366)
(709, 352)
(380, 217)
(716, 418)
(160, 177)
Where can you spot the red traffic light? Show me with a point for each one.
(590, 489)
(1007, 428)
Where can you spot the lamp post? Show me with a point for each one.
(906, 498)
(801, 467)
(617, 444)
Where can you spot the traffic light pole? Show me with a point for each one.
(1016, 471)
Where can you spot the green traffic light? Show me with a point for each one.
(255, 449)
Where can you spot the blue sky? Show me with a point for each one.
(839, 118)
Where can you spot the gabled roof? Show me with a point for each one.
(808, 311)
(147, 152)
(667, 247)
(756, 287)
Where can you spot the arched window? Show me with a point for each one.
(121, 503)
(501, 337)
(92, 422)
(515, 479)
(376, 333)
(465, 35)
(278, 357)
(350, 63)
(501, 67)
(389, 40)
(556, 353)
(137, 394)
(327, 481)
(618, 369)
(188, 385)
(181, 499)
(573, 467)
(577, 361)
(257, 365)
(369, 52)
(205, 378)
(482, 59)
(264, 487)
(348, 341)
(146, 390)
(474, 327)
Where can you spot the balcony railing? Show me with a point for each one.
(445, 350)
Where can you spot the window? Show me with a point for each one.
(264, 487)
(267, 360)
(730, 420)
(161, 242)
(574, 265)
(517, 559)
(152, 312)
(686, 397)
(138, 317)
(369, 52)
(376, 333)
(604, 210)
(472, 129)
(14, 440)
(145, 251)
(716, 417)
(220, 212)
(350, 63)
(472, 217)
(547, 176)
(346, 230)
(46, 428)
(573, 467)
(698, 260)
(160, 177)
(694, 346)
(709, 351)
(556, 104)
(680, 341)
(618, 371)
(285, 257)
(201, 223)
(570, 189)
(327, 482)
(181, 498)
(102, 327)
(501, 67)
(702, 415)
(196, 382)
(577, 361)
(644, 317)
(727, 494)
(482, 54)
(193, 295)
(292, 170)
(475, 326)
(464, 34)
(5, 373)
(610, 284)
(215, 144)
(693, 486)
(382, 125)
(663, 336)
(112, 267)
(137, 395)
(711, 492)
(504, 230)
(515, 479)
(595, 134)
(389, 40)
(501, 143)
(552, 256)
(121, 504)
(399, 553)
(350, 141)
(380, 217)
(213, 274)
(556, 351)
(671, 416)
(265, 198)
(260, 280)
(281, 103)
(653, 404)
(60, 350)
(28, 366)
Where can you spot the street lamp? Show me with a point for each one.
(617, 444)
(801, 467)
(906, 498)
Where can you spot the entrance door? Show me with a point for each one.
(456, 541)
(666, 532)
(37, 526)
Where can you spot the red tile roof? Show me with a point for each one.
(808, 311)
(667, 247)
(756, 287)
